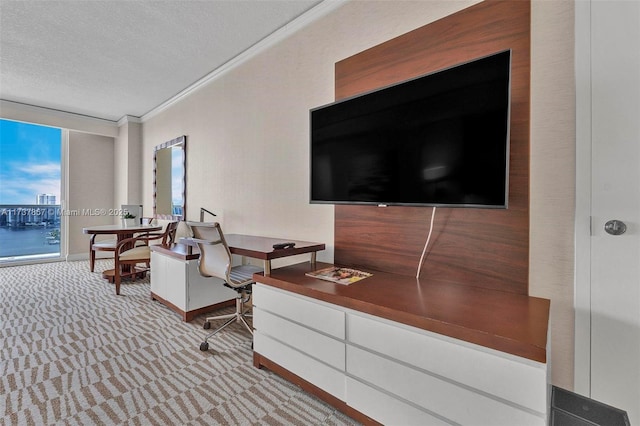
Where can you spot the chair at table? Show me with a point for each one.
(146, 220)
(110, 244)
(216, 261)
(100, 245)
(132, 252)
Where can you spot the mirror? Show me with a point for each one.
(169, 180)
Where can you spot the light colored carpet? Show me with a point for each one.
(74, 353)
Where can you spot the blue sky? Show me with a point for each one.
(29, 162)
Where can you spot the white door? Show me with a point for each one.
(608, 119)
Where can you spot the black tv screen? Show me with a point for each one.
(437, 140)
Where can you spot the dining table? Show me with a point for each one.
(122, 232)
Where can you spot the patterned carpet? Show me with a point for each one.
(74, 353)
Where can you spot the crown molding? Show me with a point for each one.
(27, 113)
(302, 21)
(129, 119)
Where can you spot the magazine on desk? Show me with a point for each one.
(339, 275)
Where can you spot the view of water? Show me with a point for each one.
(28, 240)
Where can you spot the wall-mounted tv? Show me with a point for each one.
(441, 139)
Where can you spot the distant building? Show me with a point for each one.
(45, 199)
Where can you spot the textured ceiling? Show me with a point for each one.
(108, 59)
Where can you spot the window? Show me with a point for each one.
(30, 191)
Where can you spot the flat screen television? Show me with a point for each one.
(441, 139)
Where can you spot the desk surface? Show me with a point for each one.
(507, 322)
(246, 245)
(119, 229)
(262, 247)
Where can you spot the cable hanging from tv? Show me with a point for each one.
(426, 244)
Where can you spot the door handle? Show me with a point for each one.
(615, 227)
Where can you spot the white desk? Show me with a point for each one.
(176, 281)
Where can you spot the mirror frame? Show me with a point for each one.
(181, 140)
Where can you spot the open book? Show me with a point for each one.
(339, 275)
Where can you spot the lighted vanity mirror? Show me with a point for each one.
(169, 179)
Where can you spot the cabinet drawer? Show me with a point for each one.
(315, 372)
(438, 395)
(316, 345)
(300, 309)
(519, 380)
(385, 408)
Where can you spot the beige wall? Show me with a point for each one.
(91, 177)
(247, 139)
(247, 132)
(128, 157)
(552, 205)
(64, 120)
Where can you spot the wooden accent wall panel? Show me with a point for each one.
(487, 248)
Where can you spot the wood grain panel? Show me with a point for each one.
(487, 248)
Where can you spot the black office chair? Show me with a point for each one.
(215, 261)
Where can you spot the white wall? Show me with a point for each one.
(248, 137)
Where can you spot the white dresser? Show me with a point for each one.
(391, 372)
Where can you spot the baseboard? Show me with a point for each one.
(85, 256)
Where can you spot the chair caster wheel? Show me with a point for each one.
(206, 325)
(204, 346)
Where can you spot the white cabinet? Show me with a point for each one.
(302, 335)
(446, 378)
(177, 283)
(395, 373)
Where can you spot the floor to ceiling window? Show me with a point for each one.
(30, 191)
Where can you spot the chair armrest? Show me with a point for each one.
(207, 242)
(133, 240)
(149, 234)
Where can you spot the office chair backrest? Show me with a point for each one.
(215, 257)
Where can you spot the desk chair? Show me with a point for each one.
(133, 251)
(215, 261)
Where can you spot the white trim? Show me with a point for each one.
(55, 118)
(84, 256)
(64, 192)
(582, 272)
(303, 20)
(128, 119)
(30, 260)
